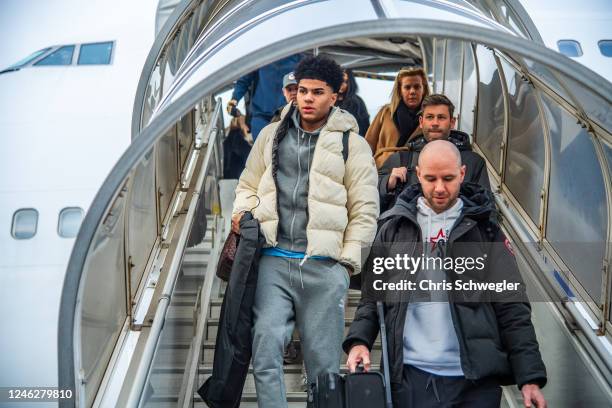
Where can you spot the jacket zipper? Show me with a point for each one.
(466, 365)
(394, 324)
(297, 183)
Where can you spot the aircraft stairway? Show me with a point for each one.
(168, 368)
(140, 302)
(574, 379)
(296, 395)
(171, 351)
(169, 374)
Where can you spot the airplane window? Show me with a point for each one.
(570, 48)
(69, 222)
(25, 222)
(61, 56)
(96, 54)
(605, 47)
(29, 58)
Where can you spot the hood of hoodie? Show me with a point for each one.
(478, 203)
(457, 137)
(339, 120)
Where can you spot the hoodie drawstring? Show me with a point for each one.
(301, 280)
(300, 268)
(432, 381)
(308, 166)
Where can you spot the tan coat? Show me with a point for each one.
(343, 201)
(383, 135)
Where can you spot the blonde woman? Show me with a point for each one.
(398, 121)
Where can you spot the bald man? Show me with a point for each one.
(450, 345)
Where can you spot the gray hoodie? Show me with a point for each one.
(295, 153)
(430, 340)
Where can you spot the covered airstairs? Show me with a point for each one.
(141, 302)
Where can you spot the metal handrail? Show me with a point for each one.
(148, 353)
(190, 376)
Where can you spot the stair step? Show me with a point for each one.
(172, 353)
(215, 308)
(203, 250)
(353, 295)
(177, 330)
(215, 311)
(292, 373)
(208, 353)
(213, 324)
(189, 283)
(195, 262)
(167, 379)
(180, 311)
(249, 400)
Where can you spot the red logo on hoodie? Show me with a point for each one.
(434, 240)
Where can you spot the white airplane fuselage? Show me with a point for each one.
(62, 128)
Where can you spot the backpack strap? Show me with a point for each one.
(406, 158)
(345, 145)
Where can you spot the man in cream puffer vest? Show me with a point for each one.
(317, 211)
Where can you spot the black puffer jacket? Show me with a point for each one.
(496, 339)
(475, 172)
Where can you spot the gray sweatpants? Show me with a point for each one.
(311, 297)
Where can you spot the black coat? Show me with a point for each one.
(354, 105)
(475, 172)
(496, 339)
(234, 340)
(235, 153)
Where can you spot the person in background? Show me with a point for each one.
(351, 102)
(397, 121)
(289, 92)
(435, 123)
(264, 85)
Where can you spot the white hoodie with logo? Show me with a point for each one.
(430, 340)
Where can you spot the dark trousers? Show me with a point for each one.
(421, 389)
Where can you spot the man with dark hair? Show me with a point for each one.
(310, 180)
(436, 122)
(448, 348)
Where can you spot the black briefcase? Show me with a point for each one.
(355, 390)
(364, 390)
(327, 392)
(358, 389)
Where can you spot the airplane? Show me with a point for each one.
(66, 112)
(569, 29)
(139, 304)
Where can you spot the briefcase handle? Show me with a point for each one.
(385, 353)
